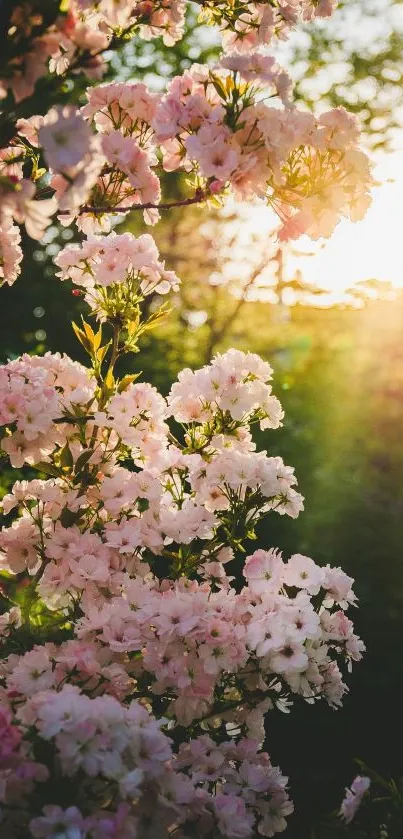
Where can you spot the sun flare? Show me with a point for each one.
(369, 249)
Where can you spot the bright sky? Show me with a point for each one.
(369, 249)
(372, 248)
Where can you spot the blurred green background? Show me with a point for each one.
(338, 373)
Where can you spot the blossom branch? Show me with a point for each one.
(198, 198)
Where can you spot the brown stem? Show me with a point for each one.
(198, 198)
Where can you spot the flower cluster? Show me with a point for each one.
(177, 496)
(76, 39)
(10, 251)
(224, 655)
(18, 204)
(107, 750)
(34, 392)
(244, 777)
(124, 549)
(72, 153)
(214, 124)
(234, 384)
(116, 272)
(19, 772)
(247, 25)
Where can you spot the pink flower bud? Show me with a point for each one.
(216, 186)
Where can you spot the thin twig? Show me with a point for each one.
(198, 198)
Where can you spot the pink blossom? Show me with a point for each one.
(233, 818)
(291, 656)
(353, 798)
(264, 571)
(259, 68)
(213, 152)
(26, 210)
(302, 572)
(65, 138)
(10, 251)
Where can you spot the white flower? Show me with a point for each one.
(302, 572)
(34, 214)
(65, 138)
(291, 656)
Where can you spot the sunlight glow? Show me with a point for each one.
(369, 249)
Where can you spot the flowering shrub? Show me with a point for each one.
(136, 673)
(132, 666)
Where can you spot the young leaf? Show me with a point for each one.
(81, 336)
(98, 339)
(47, 469)
(66, 457)
(109, 380)
(101, 353)
(89, 332)
(126, 381)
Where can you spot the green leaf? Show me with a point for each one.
(82, 338)
(66, 457)
(47, 469)
(109, 380)
(68, 518)
(220, 88)
(126, 381)
(101, 353)
(83, 459)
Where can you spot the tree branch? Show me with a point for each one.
(197, 198)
